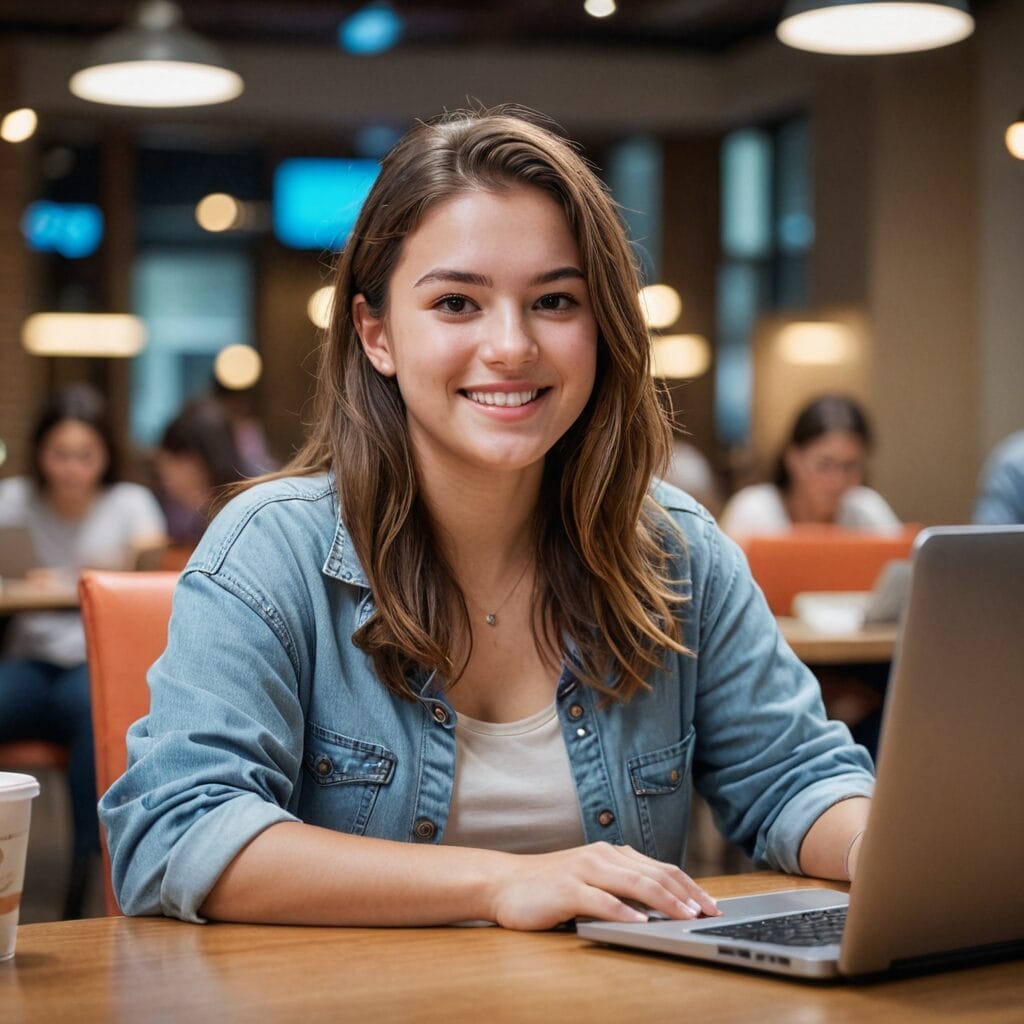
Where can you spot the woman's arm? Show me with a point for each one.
(294, 873)
(832, 844)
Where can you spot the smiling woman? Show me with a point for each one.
(460, 659)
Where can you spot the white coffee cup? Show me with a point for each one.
(16, 793)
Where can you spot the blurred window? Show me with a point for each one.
(767, 231)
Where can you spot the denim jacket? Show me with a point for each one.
(263, 711)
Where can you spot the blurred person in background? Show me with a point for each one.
(250, 435)
(79, 516)
(1001, 486)
(196, 457)
(819, 477)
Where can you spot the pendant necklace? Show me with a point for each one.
(491, 618)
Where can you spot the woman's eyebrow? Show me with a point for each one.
(441, 274)
(446, 275)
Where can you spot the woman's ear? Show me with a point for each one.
(373, 335)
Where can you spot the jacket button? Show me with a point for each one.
(424, 828)
(576, 711)
(673, 775)
(605, 818)
(439, 713)
(323, 766)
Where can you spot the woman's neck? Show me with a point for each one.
(800, 510)
(485, 523)
(72, 507)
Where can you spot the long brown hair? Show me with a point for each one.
(601, 582)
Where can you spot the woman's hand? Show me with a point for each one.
(538, 891)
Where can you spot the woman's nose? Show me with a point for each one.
(509, 339)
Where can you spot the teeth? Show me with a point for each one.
(513, 398)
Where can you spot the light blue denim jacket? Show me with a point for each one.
(264, 711)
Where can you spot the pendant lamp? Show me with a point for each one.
(155, 62)
(873, 26)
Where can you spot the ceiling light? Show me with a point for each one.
(1015, 137)
(218, 212)
(660, 304)
(83, 334)
(237, 367)
(873, 26)
(816, 343)
(680, 356)
(320, 307)
(19, 125)
(155, 62)
(599, 8)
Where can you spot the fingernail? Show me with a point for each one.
(688, 908)
(693, 905)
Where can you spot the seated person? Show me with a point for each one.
(1001, 489)
(195, 460)
(819, 477)
(460, 659)
(78, 516)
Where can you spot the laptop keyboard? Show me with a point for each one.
(809, 928)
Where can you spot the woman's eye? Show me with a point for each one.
(560, 301)
(453, 304)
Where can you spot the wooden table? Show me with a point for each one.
(24, 596)
(814, 647)
(148, 969)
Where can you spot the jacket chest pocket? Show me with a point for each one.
(343, 778)
(661, 786)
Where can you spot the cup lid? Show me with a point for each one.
(15, 786)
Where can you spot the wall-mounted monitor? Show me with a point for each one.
(317, 200)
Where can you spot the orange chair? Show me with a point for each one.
(125, 616)
(821, 558)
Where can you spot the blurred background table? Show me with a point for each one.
(814, 647)
(25, 596)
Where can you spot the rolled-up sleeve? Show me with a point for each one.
(768, 761)
(216, 760)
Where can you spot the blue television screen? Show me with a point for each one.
(317, 200)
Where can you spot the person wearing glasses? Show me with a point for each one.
(819, 477)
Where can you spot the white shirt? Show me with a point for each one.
(513, 788)
(122, 516)
(760, 509)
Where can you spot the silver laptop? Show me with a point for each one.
(17, 552)
(849, 611)
(940, 879)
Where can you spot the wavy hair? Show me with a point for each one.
(602, 573)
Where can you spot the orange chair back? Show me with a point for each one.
(125, 616)
(821, 558)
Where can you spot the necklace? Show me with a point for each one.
(491, 618)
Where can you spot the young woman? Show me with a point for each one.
(461, 659)
(78, 516)
(819, 477)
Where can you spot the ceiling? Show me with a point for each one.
(694, 25)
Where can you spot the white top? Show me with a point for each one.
(513, 788)
(760, 509)
(123, 516)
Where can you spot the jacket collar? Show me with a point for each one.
(342, 561)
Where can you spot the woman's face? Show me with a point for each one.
(489, 331)
(823, 470)
(72, 460)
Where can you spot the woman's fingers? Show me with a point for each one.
(676, 881)
(608, 882)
